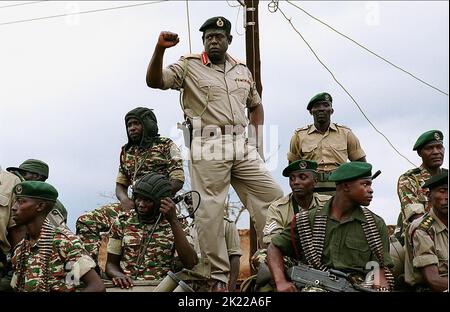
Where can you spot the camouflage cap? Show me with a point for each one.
(33, 166)
(217, 22)
(321, 97)
(300, 165)
(351, 171)
(36, 189)
(427, 137)
(437, 180)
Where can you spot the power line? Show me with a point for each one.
(82, 12)
(368, 50)
(233, 6)
(19, 4)
(345, 90)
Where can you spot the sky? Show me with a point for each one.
(66, 83)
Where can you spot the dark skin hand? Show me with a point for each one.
(276, 265)
(166, 40)
(93, 282)
(122, 195)
(234, 272)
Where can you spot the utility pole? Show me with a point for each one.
(254, 65)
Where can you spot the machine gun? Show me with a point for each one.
(331, 280)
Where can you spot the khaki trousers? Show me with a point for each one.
(216, 162)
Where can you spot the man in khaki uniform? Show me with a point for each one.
(302, 179)
(7, 182)
(216, 91)
(426, 264)
(327, 143)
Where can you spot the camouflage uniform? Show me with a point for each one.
(128, 238)
(68, 262)
(413, 198)
(91, 225)
(163, 157)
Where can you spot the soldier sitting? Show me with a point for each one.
(426, 244)
(143, 241)
(49, 258)
(145, 152)
(302, 176)
(342, 235)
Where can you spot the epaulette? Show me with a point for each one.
(193, 55)
(412, 171)
(303, 128)
(342, 126)
(323, 198)
(426, 223)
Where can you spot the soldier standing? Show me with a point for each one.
(426, 264)
(216, 91)
(145, 152)
(143, 241)
(49, 258)
(413, 198)
(342, 235)
(329, 144)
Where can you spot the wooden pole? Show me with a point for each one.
(254, 65)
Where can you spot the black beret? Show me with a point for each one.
(218, 22)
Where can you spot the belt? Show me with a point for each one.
(323, 176)
(211, 131)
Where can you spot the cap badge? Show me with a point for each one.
(302, 165)
(219, 22)
(436, 136)
(18, 189)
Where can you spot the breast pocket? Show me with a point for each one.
(240, 90)
(4, 200)
(308, 150)
(210, 89)
(358, 252)
(337, 151)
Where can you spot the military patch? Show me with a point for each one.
(219, 22)
(437, 137)
(18, 189)
(302, 164)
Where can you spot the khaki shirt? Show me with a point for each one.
(426, 244)
(7, 182)
(281, 212)
(216, 96)
(329, 150)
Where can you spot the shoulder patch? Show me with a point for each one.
(426, 223)
(303, 128)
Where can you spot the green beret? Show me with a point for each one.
(33, 166)
(432, 135)
(437, 180)
(36, 189)
(218, 22)
(300, 165)
(321, 97)
(351, 171)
